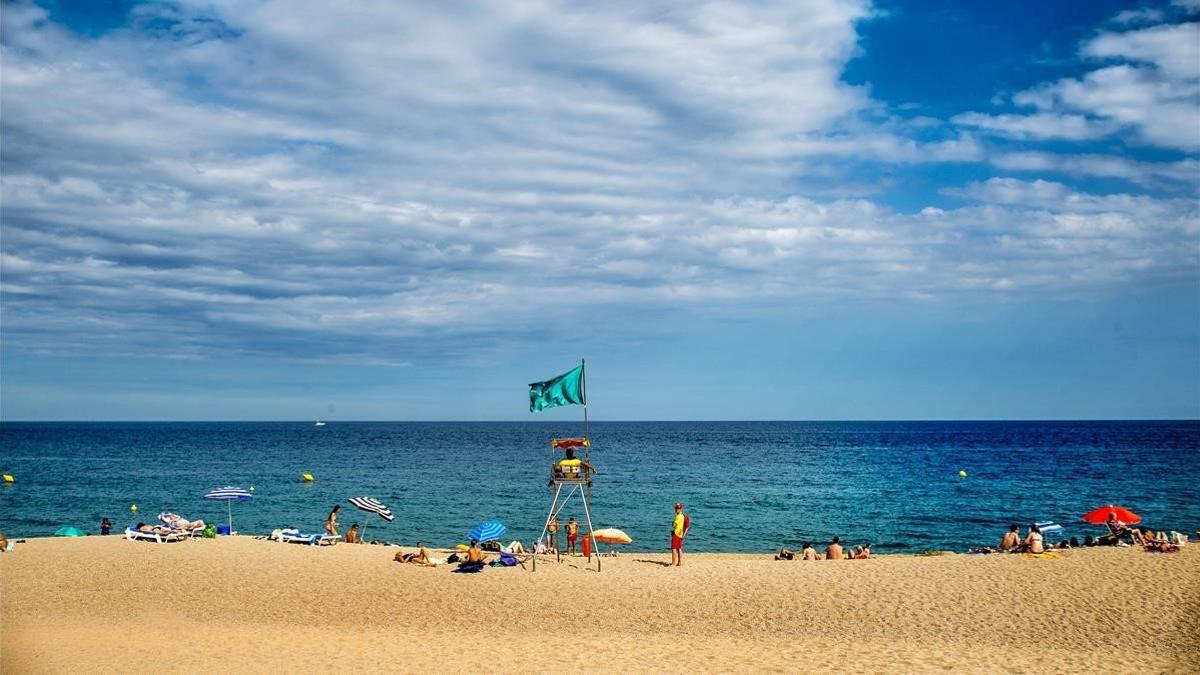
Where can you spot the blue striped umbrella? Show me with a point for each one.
(489, 530)
(229, 495)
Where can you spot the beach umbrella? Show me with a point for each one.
(229, 494)
(69, 532)
(612, 535)
(1100, 516)
(488, 530)
(371, 505)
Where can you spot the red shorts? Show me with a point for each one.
(676, 543)
(571, 538)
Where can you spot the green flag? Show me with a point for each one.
(562, 390)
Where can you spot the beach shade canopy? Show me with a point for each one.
(488, 530)
(1100, 516)
(229, 494)
(69, 532)
(611, 535)
(374, 506)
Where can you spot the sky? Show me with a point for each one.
(803, 210)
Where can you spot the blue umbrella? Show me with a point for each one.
(489, 530)
(69, 532)
(228, 495)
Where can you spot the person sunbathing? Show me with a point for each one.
(514, 546)
(834, 550)
(178, 522)
(862, 552)
(1117, 529)
(1011, 539)
(1157, 544)
(1033, 541)
(153, 529)
(809, 553)
(421, 557)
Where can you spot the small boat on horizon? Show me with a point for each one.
(319, 424)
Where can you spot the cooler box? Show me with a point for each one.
(223, 530)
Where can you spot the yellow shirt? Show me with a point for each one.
(677, 525)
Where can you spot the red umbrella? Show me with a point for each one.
(1100, 516)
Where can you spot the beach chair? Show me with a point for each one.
(296, 537)
(133, 534)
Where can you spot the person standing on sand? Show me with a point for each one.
(552, 530)
(105, 526)
(834, 550)
(679, 529)
(331, 521)
(572, 534)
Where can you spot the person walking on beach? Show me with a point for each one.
(572, 534)
(331, 521)
(834, 550)
(680, 525)
(105, 526)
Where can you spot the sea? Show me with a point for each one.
(747, 486)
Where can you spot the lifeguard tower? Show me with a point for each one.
(570, 473)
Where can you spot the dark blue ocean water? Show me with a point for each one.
(748, 486)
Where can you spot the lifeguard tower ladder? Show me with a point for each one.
(573, 474)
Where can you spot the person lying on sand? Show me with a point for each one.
(421, 557)
(514, 546)
(785, 553)
(1011, 539)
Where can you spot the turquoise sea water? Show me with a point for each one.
(748, 486)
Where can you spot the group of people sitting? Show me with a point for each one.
(834, 551)
(1119, 534)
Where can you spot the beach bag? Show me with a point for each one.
(508, 560)
(210, 532)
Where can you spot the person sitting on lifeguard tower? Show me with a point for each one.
(571, 467)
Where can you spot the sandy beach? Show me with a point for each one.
(246, 605)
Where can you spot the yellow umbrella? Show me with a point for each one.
(612, 535)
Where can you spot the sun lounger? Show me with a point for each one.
(296, 537)
(133, 534)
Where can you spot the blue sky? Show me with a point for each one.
(794, 210)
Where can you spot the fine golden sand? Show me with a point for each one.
(243, 605)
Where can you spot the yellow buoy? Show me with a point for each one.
(133, 507)
(308, 477)
(962, 474)
(9, 479)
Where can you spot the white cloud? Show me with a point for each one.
(1155, 92)
(392, 180)
(1038, 126)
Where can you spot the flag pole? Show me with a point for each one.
(587, 448)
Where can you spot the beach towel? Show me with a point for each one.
(508, 560)
(468, 568)
(1046, 554)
